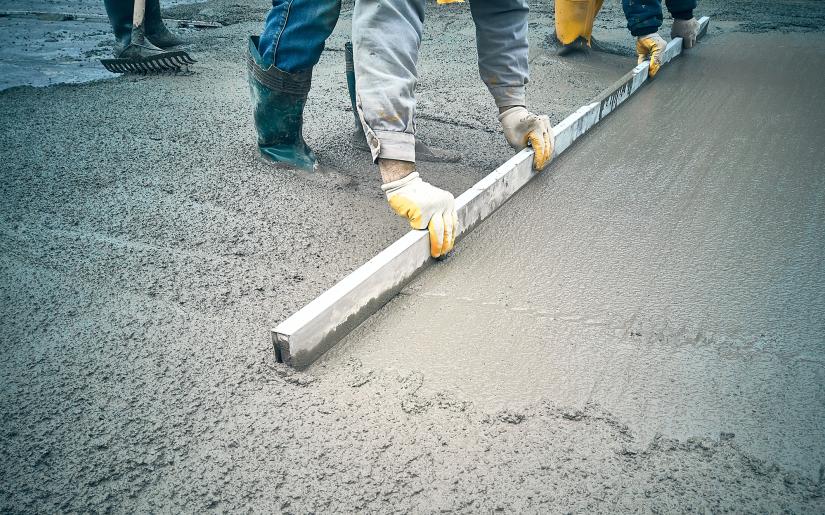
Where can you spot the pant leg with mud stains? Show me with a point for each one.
(386, 38)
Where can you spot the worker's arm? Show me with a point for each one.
(501, 40)
(385, 74)
(644, 17)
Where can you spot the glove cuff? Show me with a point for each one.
(391, 187)
(655, 37)
(516, 113)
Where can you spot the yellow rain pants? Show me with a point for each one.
(574, 19)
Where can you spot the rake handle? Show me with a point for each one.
(137, 15)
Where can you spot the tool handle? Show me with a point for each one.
(140, 10)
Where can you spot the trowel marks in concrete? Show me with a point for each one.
(671, 268)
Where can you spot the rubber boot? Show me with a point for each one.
(574, 23)
(423, 152)
(278, 100)
(156, 31)
(139, 47)
(120, 16)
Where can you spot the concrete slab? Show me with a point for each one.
(671, 270)
(303, 337)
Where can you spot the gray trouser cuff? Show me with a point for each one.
(393, 145)
(509, 96)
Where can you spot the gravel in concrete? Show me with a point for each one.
(145, 252)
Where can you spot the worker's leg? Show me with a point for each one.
(280, 72)
(156, 31)
(120, 16)
(501, 40)
(423, 152)
(643, 16)
(386, 36)
(589, 29)
(574, 20)
(295, 32)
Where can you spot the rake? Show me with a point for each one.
(141, 56)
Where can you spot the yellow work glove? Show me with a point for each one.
(685, 29)
(426, 207)
(522, 128)
(652, 47)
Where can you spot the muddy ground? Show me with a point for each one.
(146, 252)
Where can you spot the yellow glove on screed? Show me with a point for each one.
(685, 29)
(426, 207)
(521, 127)
(651, 46)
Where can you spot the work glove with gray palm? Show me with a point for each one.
(651, 46)
(687, 30)
(523, 128)
(426, 207)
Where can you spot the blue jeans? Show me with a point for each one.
(295, 31)
(645, 16)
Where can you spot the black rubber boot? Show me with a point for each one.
(278, 100)
(580, 44)
(139, 47)
(120, 16)
(156, 31)
(423, 152)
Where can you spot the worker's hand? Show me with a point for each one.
(426, 207)
(522, 128)
(652, 47)
(687, 30)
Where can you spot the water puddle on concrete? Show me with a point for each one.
(670, 267)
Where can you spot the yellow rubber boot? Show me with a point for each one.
(574, 20)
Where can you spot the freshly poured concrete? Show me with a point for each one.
(671, 268)
(145, 252)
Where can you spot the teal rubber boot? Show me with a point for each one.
(278, 100)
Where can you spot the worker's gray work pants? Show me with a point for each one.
(387, 34)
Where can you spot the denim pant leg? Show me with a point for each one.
(386, 35)
(295, 31)
(643, 16)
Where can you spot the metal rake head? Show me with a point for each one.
(163, 62)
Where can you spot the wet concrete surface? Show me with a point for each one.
(41, 52)
(145, 252)
(669, 268)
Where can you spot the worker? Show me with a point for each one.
(386, 75)
(280, 64)
(574, 25)
(157, 37)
